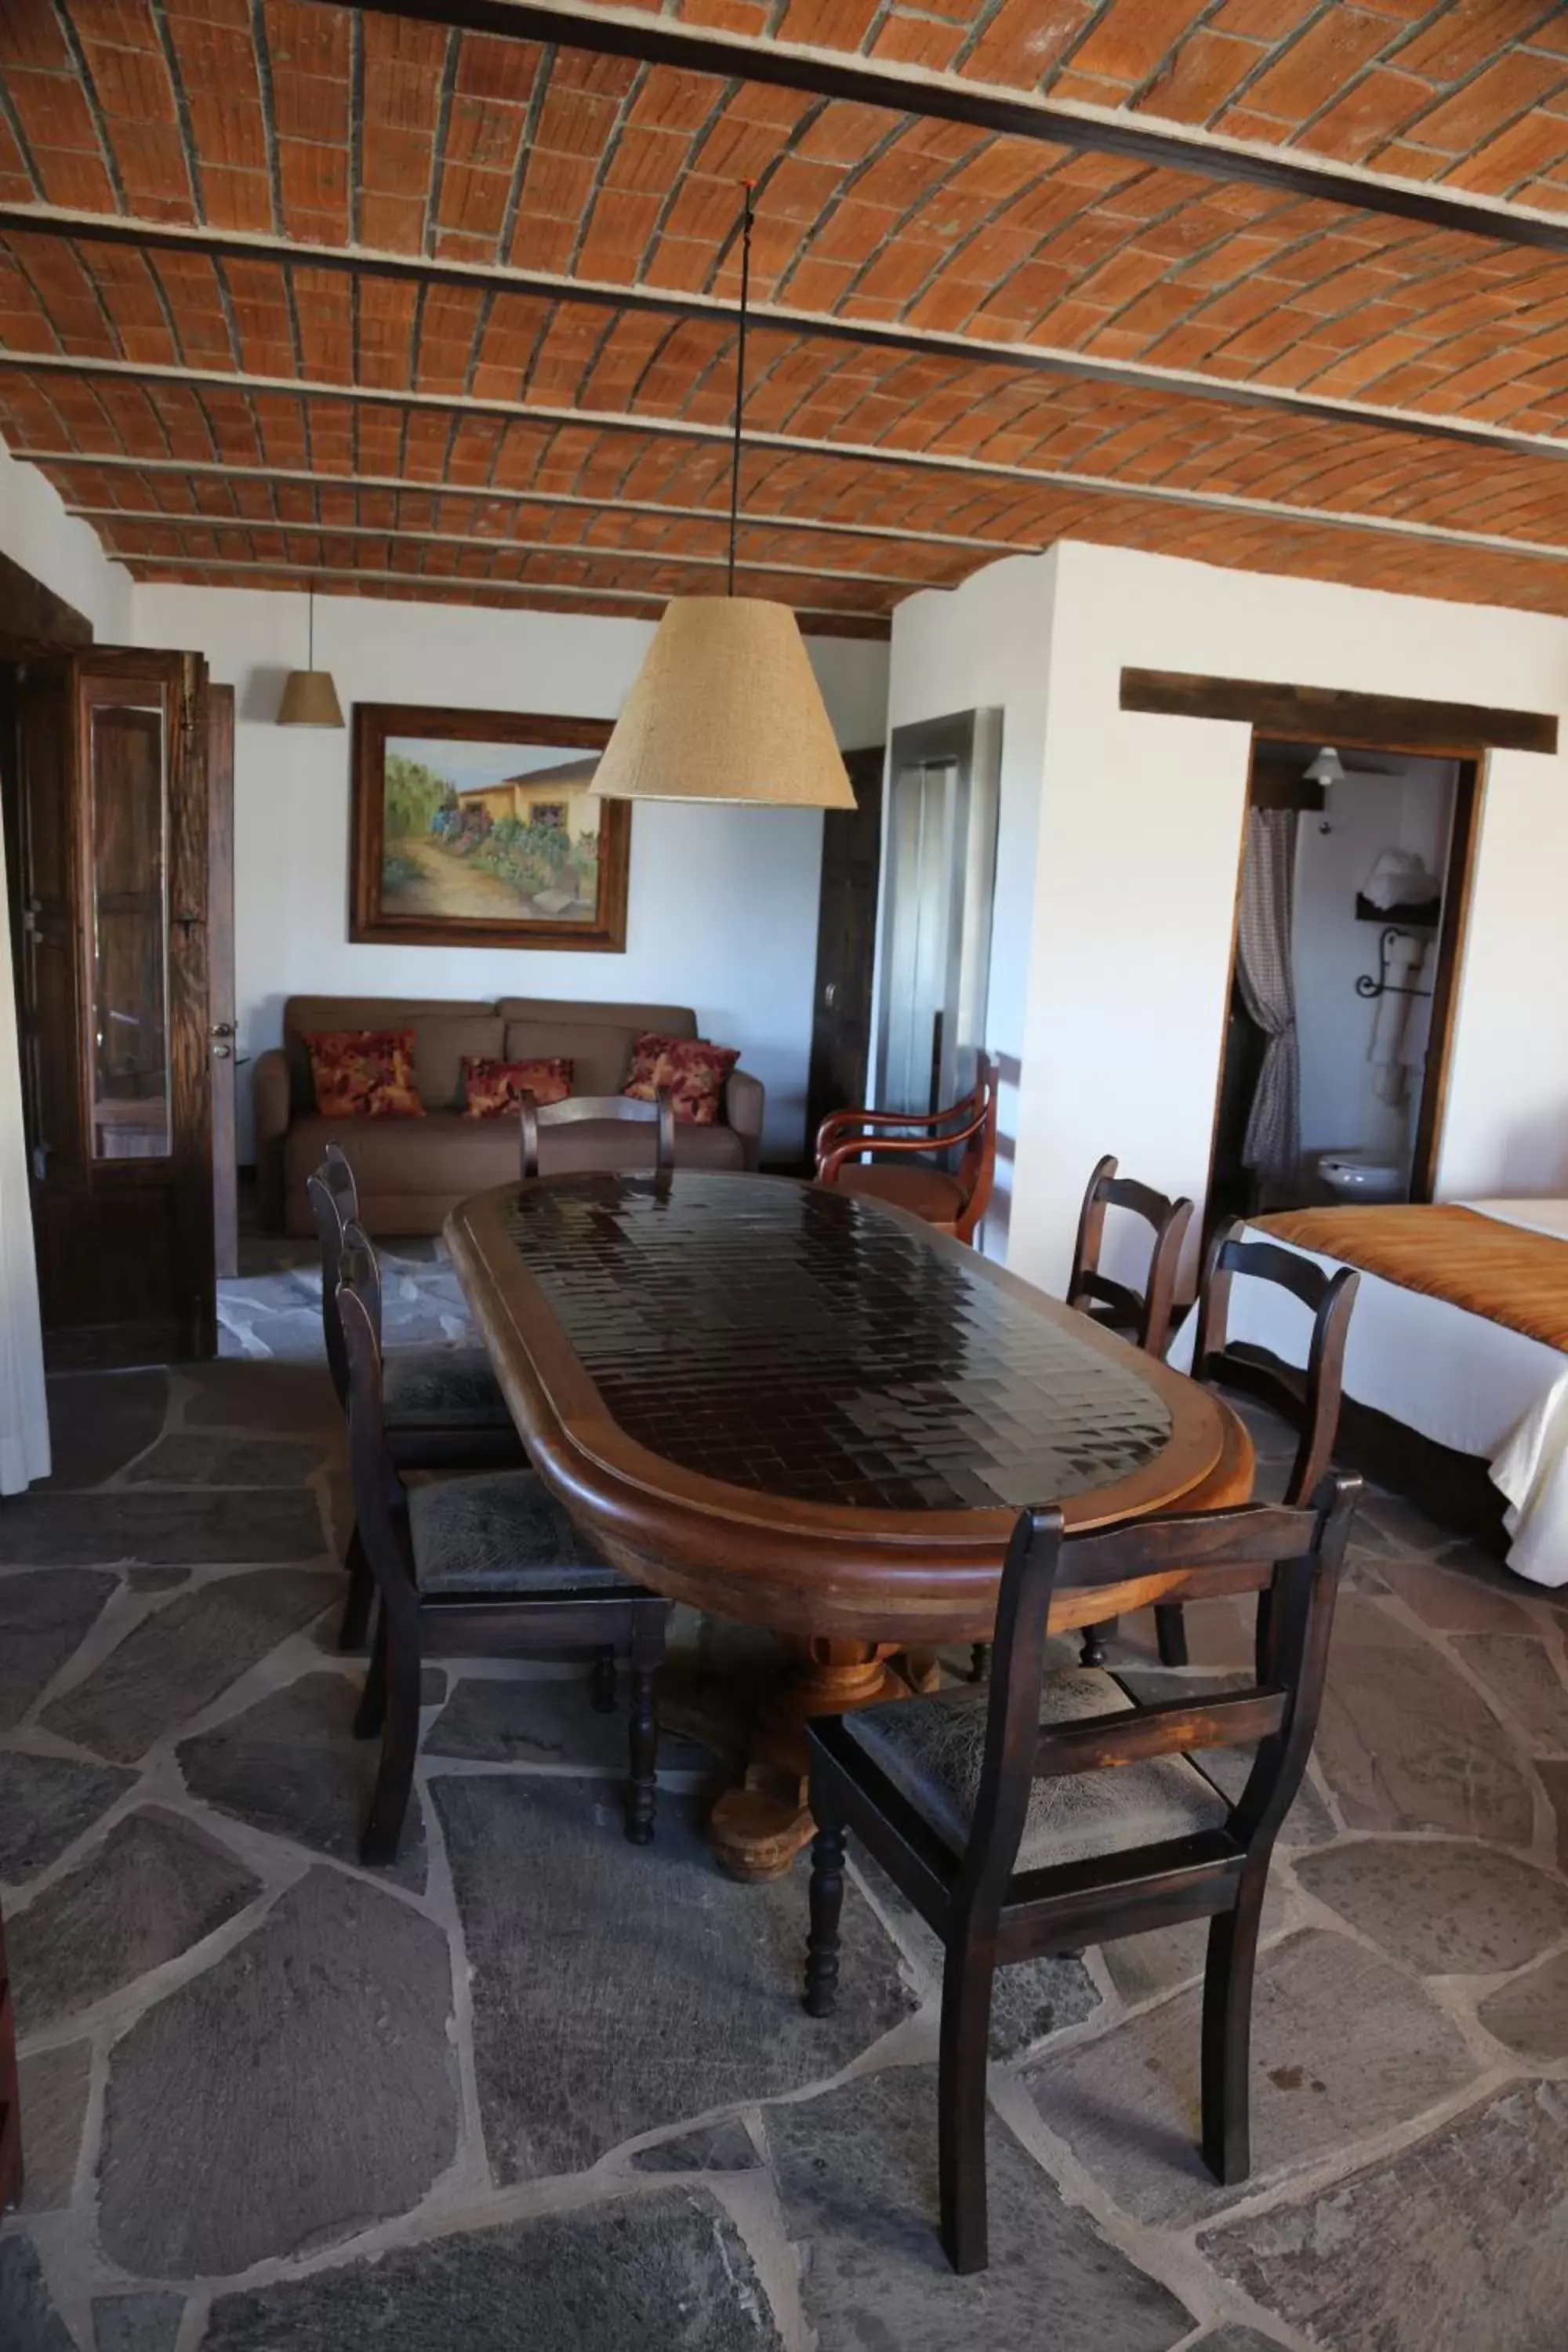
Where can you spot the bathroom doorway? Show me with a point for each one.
(1349, 917)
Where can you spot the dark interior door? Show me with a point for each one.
(111, 783)
(847, 946)
(220, 974)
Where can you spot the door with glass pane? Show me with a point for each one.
(111, 769)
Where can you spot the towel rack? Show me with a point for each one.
(1383, 985)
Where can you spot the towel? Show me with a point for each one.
(1386, 1049)
(1399, 879)
(1415, 1034)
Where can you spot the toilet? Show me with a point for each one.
(1363, 1176)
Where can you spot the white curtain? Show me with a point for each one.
(1273, 1142)
(24, 1414)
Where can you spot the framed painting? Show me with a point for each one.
(476, 828)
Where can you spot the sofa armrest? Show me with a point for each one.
(270, 1100)
(744, 1100)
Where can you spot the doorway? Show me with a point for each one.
(1351, 910)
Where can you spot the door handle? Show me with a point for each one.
(830, 994)
(221, 1053)
(221, 1029)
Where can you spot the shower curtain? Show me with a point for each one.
(23, 1417)
(1272, 1147)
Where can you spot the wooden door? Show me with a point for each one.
(112, 824)
(220, 975)
(847, 946)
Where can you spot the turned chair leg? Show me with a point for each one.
(371, 1713)
(980, 1662)
(826, 1906)
(1227, 2032)
(646, 1651)
(603, 1687)
(355, 1621)
(1171, 1632)
(1092, 1649)
(399, 1742)
(967, 1983)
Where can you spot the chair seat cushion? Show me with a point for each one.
(930, 1750)
(441, 1387)
(925, 1192)
(500, 1533)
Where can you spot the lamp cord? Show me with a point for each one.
(740, 384)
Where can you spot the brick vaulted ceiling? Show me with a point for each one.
(439, 299)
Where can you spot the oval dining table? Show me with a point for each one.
(812, 1413)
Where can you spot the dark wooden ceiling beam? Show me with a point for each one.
(1313, 714)
(549, 418)
(865, 334)
(1012, 114)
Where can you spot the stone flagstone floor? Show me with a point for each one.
(537, 2090)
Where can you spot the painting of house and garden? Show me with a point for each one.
(461, 836)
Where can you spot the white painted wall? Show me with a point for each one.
(986, 648)
(1123, 963)
(36, 532)
(723, 902)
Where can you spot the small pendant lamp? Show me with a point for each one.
(310, 698)
(726, 706)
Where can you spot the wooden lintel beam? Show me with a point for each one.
(866, 335)
(981, 106)
(1335, 715)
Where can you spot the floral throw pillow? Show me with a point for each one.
(494, 1089)
(364, 1073)
(694, 1072)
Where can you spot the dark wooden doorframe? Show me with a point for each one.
(220, 977)
(846, 946)
(1458, 880)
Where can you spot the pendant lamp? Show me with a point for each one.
(726, 706)
(310, 698)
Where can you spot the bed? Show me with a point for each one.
(1461, 1333)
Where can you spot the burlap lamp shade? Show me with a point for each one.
(309, 700)
(725, 707)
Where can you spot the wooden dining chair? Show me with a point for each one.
(11, 2175)
(952, 1201)
(1309, 1400)
(443, 1406)
(1050, 1810)
(1142, 1316)
(658, 1115)
(491, 1561)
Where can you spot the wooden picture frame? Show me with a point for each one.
(443, 841)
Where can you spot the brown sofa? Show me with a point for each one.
(412, 1170)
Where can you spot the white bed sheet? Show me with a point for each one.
(1453, 1376)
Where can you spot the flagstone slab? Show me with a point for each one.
(1163, 1957)
(857, 2177)
(156, 1885)
(52, 2094)
(1458, 2240)
(194, 1526)
(723, 2147)
(546, 1720)
(192, 1458)
(1444, 1908)
(178, 1660)
(1531, 2014)
(1404, 1742)
(1553, 1777)
(43, 1620)
(1454, 1603)
(298, 2090)
(231, 1393)
(98, 1422)
(136, 2323)
(28, 2319)
(1523, 1675)
(663, 2271)
(291, 1765)
(619, 1988)
(1344, 2043)
(47, 1802)
(1237, 2339)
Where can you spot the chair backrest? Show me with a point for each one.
(1291, 1557)
(1145, 1314)
(334, 1204)
(377, 1489)
(975, 1127)
(1308, 1398)
(658, 1115)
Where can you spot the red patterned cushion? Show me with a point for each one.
(494, 1089)
(694, 1072)
(364, 1073)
